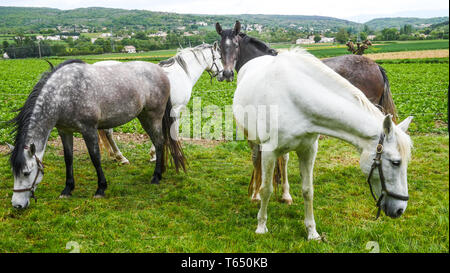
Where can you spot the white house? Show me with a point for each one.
(54, 38)
(5, 56)
(204, 24)
(302, 41)
(326, 40)
(129, 49)
(106, 35)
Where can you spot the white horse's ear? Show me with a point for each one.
(404, 125)
(11, 147)
(388, 126)
(218, 28)
(215, 45)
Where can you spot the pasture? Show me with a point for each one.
(207, 209)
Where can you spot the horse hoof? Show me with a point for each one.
(261, 230)
(153, 159)
(256, 200)
(155, 181)
(124, 162)
(64, 196)
(314, 237)
(97, 196)
(287, 201)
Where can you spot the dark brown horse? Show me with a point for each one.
(238, 48)
(368, 76)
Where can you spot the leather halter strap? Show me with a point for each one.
(210, 71)
(40, 167)
(377, 164)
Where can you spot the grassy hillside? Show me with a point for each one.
(397, 22)
(35, 19)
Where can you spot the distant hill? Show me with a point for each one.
(26, 19)
(41, 18)
(397, 22)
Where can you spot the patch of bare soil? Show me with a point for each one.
(79, 147)
(420, 54)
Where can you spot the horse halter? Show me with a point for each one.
(384, 191)
(40, 167)
(210, 71)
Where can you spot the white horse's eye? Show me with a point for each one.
(26, 174)
(396, 163)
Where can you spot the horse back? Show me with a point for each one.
(108, 96)
(360, 71)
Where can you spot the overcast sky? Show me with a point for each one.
(347, 9)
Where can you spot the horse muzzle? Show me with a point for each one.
(20, 200)
(394, 208)
(228, 75)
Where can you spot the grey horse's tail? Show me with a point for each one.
(386, 101)
(171, 144)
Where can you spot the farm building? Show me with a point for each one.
(326, 40)
(302, 41)
(129, 49)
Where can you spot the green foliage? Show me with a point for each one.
(342, 36)
(389, 34)
(398, 22)
(317, 38)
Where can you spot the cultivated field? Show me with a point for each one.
(207, 209)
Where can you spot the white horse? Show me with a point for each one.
(183, 71)
(307, 98)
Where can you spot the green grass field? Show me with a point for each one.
(326, 50)
(207, 209)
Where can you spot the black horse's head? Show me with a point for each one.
(229, 47)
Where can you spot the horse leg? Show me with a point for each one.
(307, 156)
(67, 142)
(256, 158)
(153, 127)
(117, 154)
(286, 197)
(267, 166)
(91, 139)
(152, 153)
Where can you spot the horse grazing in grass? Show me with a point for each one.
(360, 71)
(183, 71)
(295, 97)
(79, 97)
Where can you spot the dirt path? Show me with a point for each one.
(79, 147)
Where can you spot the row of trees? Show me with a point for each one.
(27, 46)
(406, 32)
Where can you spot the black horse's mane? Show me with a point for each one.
(21, 122)
(260, 45)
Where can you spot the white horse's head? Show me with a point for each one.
(216, 67)
(28, 173)
(386, 164)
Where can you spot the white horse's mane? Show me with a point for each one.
(404, 142)
(178, 58)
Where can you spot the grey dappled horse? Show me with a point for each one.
(79, 97)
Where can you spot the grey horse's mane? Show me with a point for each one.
(178, 58)
(21, 122)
